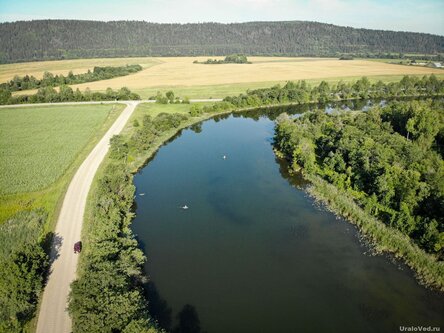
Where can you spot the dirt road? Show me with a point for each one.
(7, 106)
(53, 316)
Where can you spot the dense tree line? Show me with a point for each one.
(23, 267)
(50, 80)
(388, 55)
(67, 94)
(152, 129)
(68, 39)
(388, 159)
(229, 59)
(302, 93)
(109, 297)
(169, 98)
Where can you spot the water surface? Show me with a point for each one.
(253, 253)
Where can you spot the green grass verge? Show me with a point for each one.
(41, 148)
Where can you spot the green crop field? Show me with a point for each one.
(40, 149)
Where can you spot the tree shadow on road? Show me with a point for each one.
(52, 244)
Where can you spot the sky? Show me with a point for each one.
(400, 15)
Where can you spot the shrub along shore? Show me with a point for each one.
(108, 295)
(382, 170)
(429, 271)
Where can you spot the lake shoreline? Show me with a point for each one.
(428, 272)
(137, 159)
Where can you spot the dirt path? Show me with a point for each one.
(53, 316)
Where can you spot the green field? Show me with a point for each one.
(40, 149)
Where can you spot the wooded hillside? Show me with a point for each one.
(67, 39)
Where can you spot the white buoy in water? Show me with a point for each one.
(184, 207)
(142, 194)
(224, 157)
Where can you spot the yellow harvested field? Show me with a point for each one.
(77, 66)
(181, 74)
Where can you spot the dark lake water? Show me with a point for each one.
(253, 253)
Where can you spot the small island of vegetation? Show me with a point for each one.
(230, 59)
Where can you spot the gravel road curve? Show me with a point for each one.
(53, 316)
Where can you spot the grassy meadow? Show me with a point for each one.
(204, 81)
(40, 149)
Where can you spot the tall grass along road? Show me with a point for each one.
(54, 317)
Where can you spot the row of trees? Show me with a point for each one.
(229, 59)
(67, 94)
(47, 39)
(169, 98)
(109, 295)
(151, 129)
(388, 55)
(24, 264)
(302, 93)
(50, 80)
(389, 159)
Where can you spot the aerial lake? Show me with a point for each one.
(253, 252)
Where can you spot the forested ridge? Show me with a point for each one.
(67, 39)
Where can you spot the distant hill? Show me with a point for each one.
(67, 39)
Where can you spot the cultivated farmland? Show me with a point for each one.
(40, 148)
(204, 81)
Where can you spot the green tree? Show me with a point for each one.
(170, 96)
(118, 147)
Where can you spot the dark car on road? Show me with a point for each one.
(78, 247)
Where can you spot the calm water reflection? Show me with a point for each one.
(253, 253)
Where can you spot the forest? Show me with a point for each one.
(389, 160)
(70, 39)
(50, 80)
